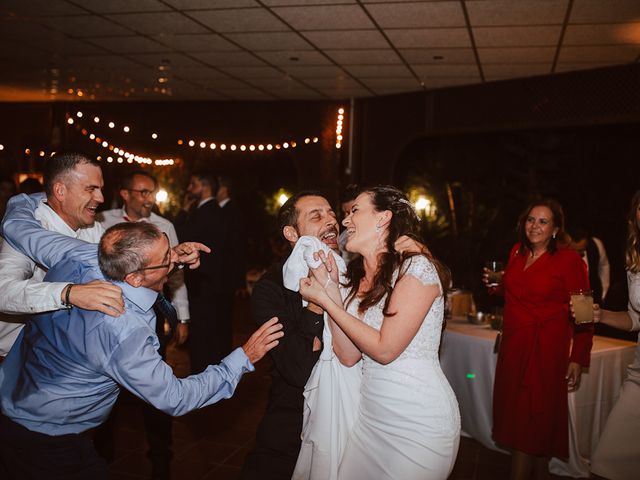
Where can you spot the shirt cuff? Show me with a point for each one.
(238, 361)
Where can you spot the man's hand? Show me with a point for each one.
(263, 340)
(97, 295)
(189, 253)
(188, 202)
(181, 334)
(409, 245)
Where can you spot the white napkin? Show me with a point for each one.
(301, 259)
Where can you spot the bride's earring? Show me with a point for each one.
(378, 229)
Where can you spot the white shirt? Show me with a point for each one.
(176, 284)
(222, 203)
(202, 202)
(22, 291)
(604, 270)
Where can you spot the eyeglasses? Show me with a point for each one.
(143, 193)
(177, 266)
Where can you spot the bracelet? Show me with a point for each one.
(67, 302)
(184, 321)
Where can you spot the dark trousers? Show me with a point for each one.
(28, 455)
(210, 332)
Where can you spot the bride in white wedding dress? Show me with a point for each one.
(408, 422)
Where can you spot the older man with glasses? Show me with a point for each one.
(61, 378)
(138, 193)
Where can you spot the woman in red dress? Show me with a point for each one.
(542, 352)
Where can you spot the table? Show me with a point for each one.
(469, 363)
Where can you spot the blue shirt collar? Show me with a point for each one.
(143, 297)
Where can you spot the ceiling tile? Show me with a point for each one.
(430, 38)
(301, 58)
(101, 61)
(536, 36)
(13, 28)
(210, 4)
(240, 20)
(508, 12)
(517, 55)
(210, 42)
(156, 23)
(335, 82)
(67, 46)
(426, 71)
(173, 60)
(621, 33)
(380, 71)
(248, 93)
(614, 53)
(280, 82)
(432, 55)
(228, 58)
(364, 57)
(329, 17)
(611, 11)
(120, 6)
(498, 72)
(418, 15)
(306, 72)
(39, 8)
(353, 39)
(129, 44)
(252, 72)
(403, 83)
(297, 94)
(288, 3)
(85, 26)
(443, 82)
(199, 73)
(260, 42)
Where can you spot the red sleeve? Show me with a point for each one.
(576, 278)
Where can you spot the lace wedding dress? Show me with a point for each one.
(408, 422)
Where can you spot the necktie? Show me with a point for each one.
(164, 311)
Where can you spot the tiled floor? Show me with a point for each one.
(212, 443)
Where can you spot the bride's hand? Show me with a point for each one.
(313, 292)
(327, 271)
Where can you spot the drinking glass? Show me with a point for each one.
(494, 274)
(582, 301)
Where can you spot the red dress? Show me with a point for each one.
(530, 410)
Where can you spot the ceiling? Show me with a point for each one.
(298, 49)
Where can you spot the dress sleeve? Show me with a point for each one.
(423, 269)
(576, 278)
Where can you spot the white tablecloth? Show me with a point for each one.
(469, 363)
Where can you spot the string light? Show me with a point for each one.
(121, 152)
(339, 123)
(155, 135)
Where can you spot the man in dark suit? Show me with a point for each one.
(278, 437)
(202, 218)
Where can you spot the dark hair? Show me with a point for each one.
(127, 181)
(207, 178)
(288, 213)
(350, 193)
(632, 255)
(404, 221)
(60, 164)
(557, 217)
(123, 248)
(30, 185)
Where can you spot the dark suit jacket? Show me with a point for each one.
(205, 225)
(278, 437)
(234, 261)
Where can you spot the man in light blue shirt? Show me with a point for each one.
(61, 377)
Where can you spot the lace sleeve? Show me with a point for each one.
(421, 268)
